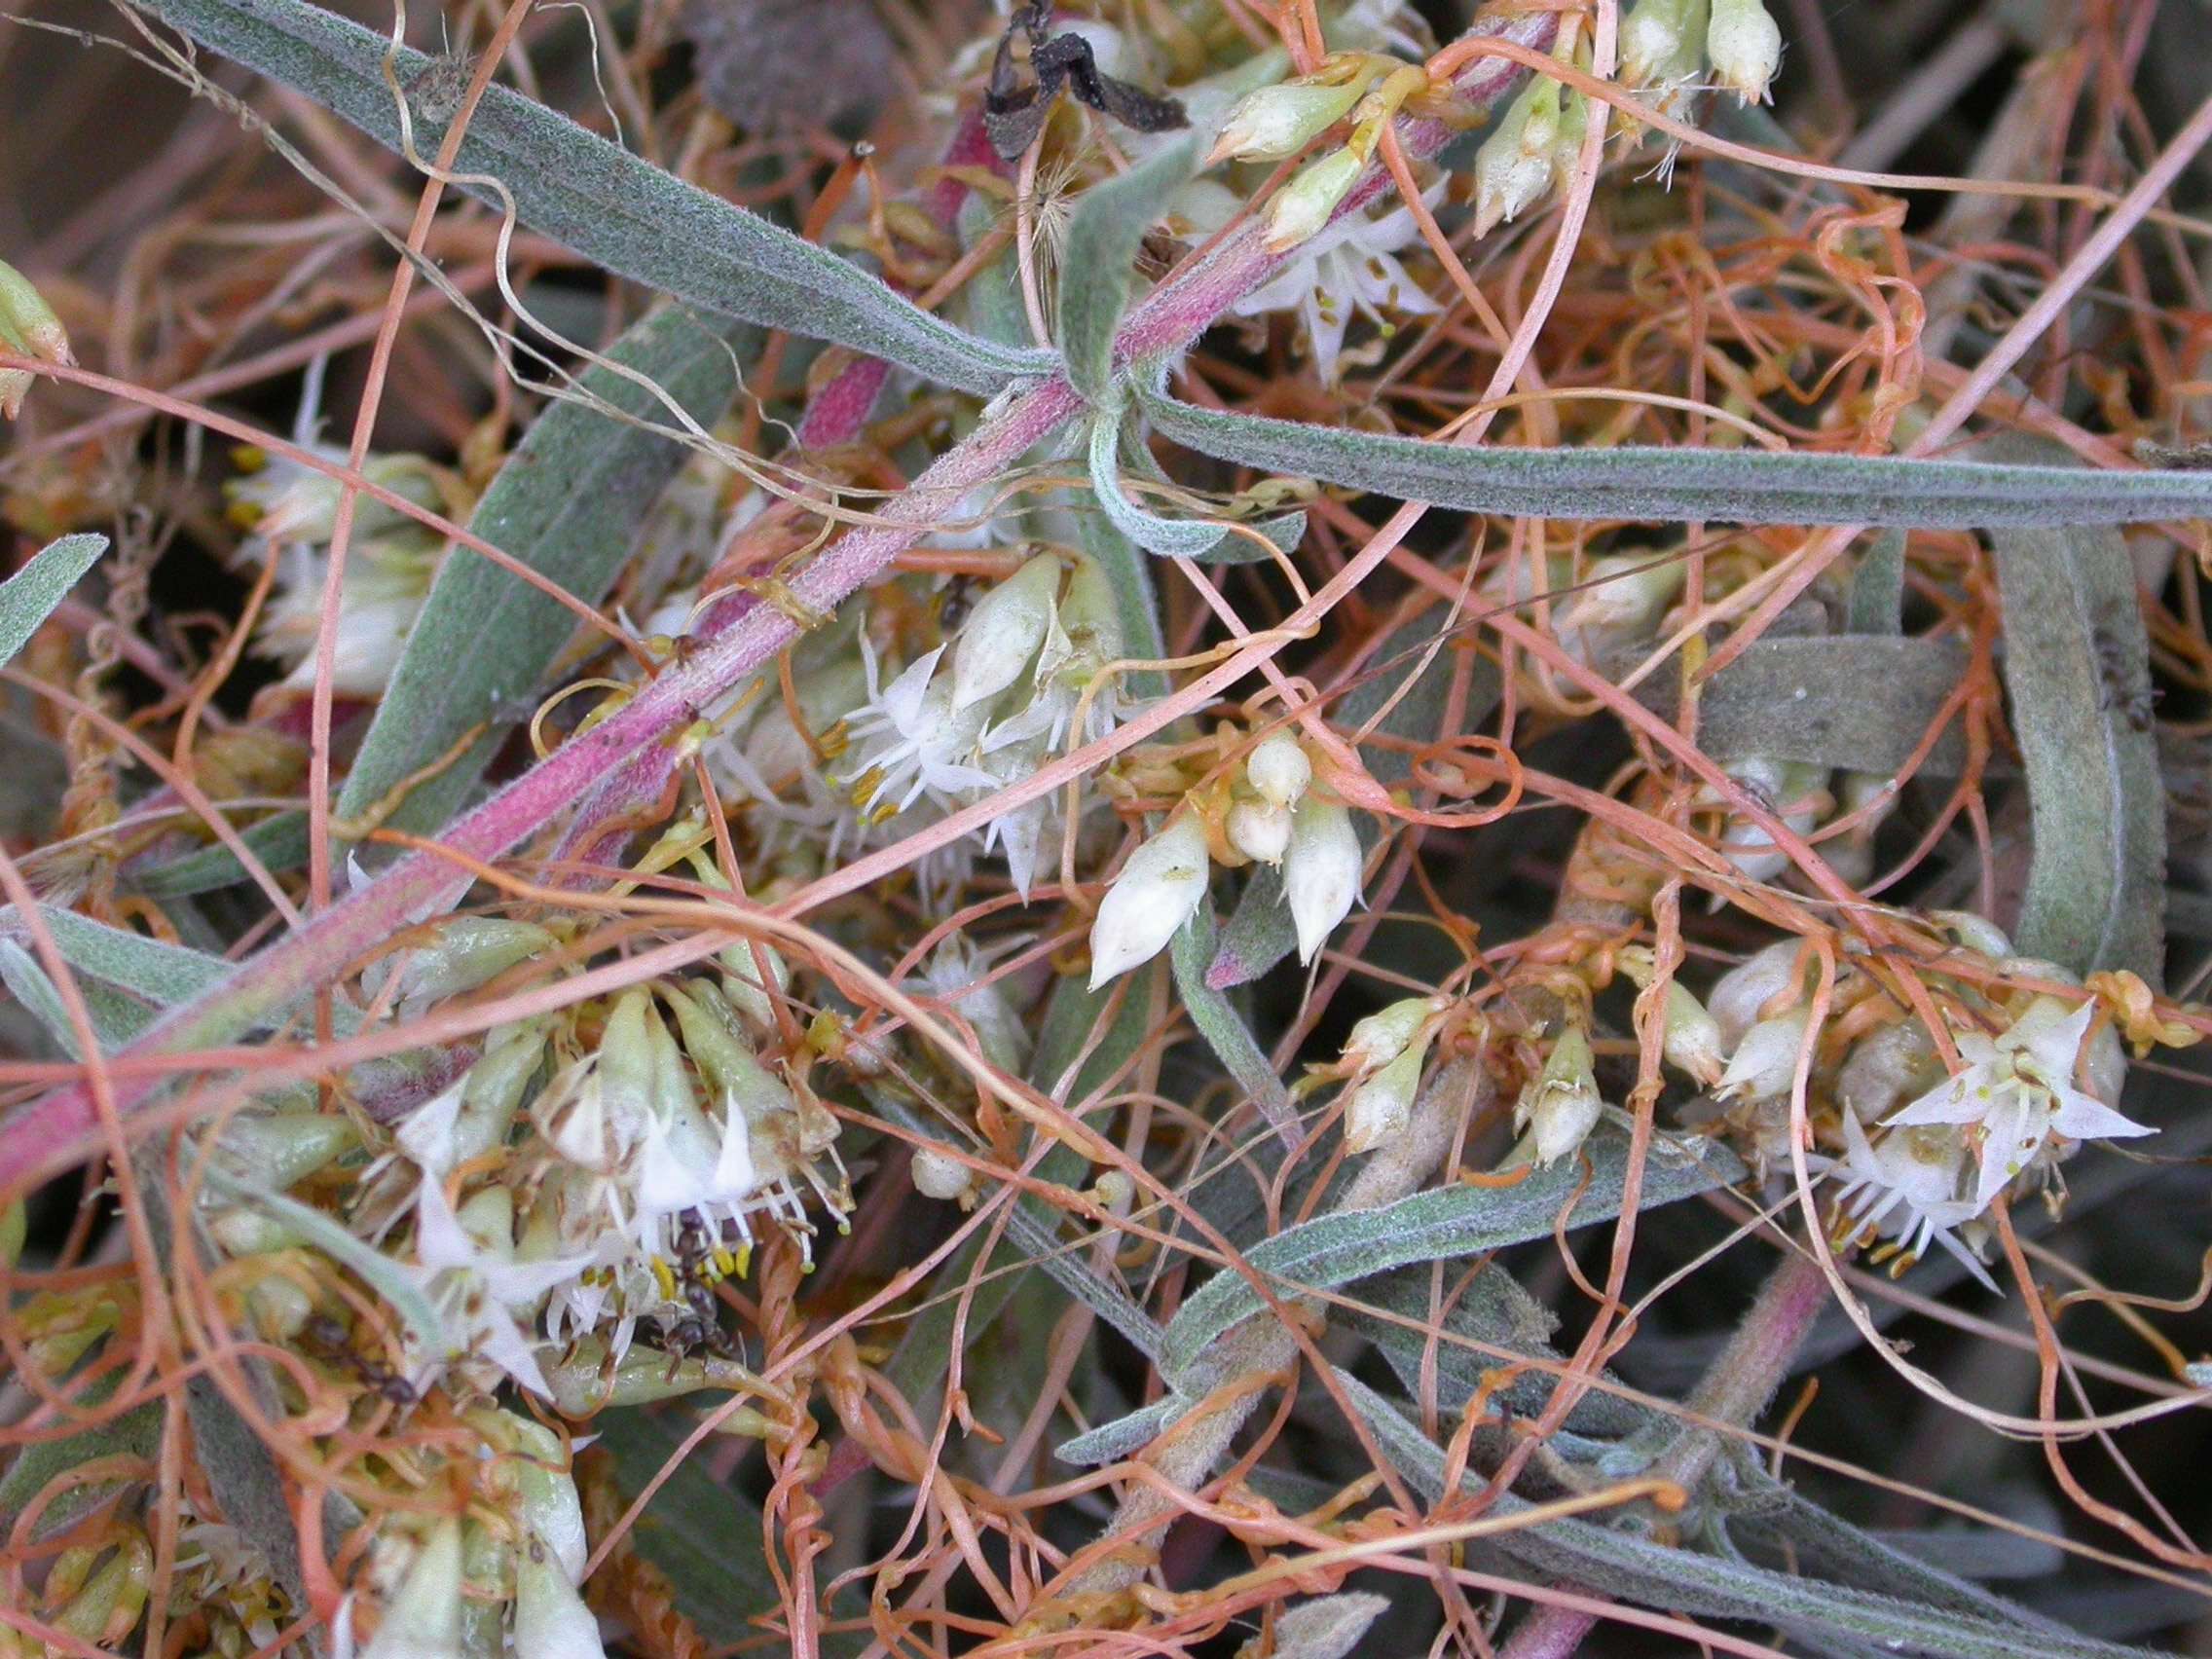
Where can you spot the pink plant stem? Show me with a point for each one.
(54, 1131)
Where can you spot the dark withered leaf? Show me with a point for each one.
(774, 66)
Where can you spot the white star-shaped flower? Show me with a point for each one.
(1906, 1188)
(2017, 1088)
(1347, 268)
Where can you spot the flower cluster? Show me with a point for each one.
(291, 510)
(1919, 1151)
(1272, 814)
(1020, 681)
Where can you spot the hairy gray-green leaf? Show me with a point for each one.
(566, 503)
(1099, 258)
(115, 1017)
(1490, 1321)
(699, 1533)
(1680, 485)
(1110, 1442)
(1327, 1627)
(1437, 1225)
(280, 843)
(1133, 595)
(1192, 953)
(36, 591)
(615, 208)
(2077, 666)
(1685, 1582)
(164, 974)
(137, 1433)
(1175, 538)
(1878, 587)
(1859, 701)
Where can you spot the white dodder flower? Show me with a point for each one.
(1744, 46)
(1278, 770)
(1301, 209)
(2017, 1091)
(1905, 1188)
(1279, 121)
(1320, 870)
(1160, 887)
(1561, 1106)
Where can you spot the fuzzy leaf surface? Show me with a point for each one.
(2077, 667)
(616, 209)
(1671, 485)
(1437, 1224)
(36, 591)
(1098, 262)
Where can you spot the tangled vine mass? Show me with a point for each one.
(1280, 828)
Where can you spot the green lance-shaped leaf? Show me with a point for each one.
(1171, 539)
(615, 208)
(36, 591)
(1680, 485)
(1437, 1224)
(1859, 701)
(1190, 952)
(161, 974)
(566, 503)
(135, 1433)
(1098, 259)
(1124, 1436)
(1878, 587)
(699, 1533)
(280, 842)
(2077, 666)
(1681, 1580)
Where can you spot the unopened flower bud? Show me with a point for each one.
(940, 1175)
(1320, 870)
(1765, 1062)
(1784, 786)
(1692, 1041)
(1739, 995)
(1381, 1107)
(551, 1620)
(1278, 768)
(1003, 632)
(1513, 169)
(1622, 597)
(1660, 41)
(1303, 205)
(1280, 121)
(1561, 1106)
(423, 1619)
(1387, 1033)
(1158, 889)
(465, 952)
(1893, 1064)
(1258, 831)
(1744, 46)
(29, 328)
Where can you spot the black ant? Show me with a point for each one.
(700, 1325)
(329, 1341)
(1014, 114)
(957, 601)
